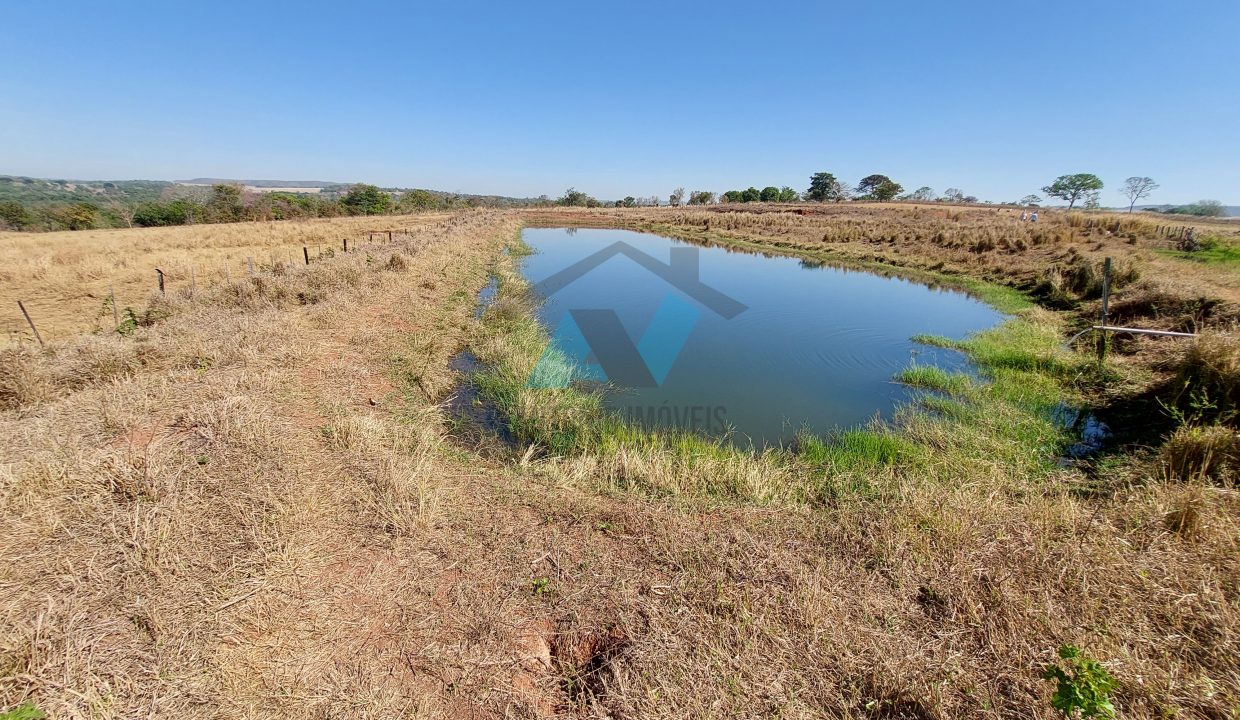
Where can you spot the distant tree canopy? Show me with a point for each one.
(923, 194)
(677, 197)
(575, 198)
(363, 199)
(823, 187)
(770, 193)
(1136, 188)
(879, 187)
(701, 197)
(14, 216)
(953, 195)
(1032, 200)
(1202, 208)
(1073, 187)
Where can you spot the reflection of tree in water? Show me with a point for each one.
(571, 230)
(812, 264)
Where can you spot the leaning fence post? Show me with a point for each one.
(306, 252)
(346, 244)
(116, 314)
(33, 329)
(389, 236)
(161, 281)
(1106, 299)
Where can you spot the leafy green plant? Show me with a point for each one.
(540, 586)
(1083, 685)
(25, 711)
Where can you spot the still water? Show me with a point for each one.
(735, 343)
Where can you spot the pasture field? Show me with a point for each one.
(63, 277)
(254, 503)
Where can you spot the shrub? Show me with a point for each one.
(1207, 383)
(1208, 453)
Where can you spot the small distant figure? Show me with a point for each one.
(1034, 216)
(1024, 216)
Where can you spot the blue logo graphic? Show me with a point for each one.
(591, 344)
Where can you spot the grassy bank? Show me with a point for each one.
(1011, 420)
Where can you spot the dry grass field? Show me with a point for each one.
(63, 277)
(255, 505)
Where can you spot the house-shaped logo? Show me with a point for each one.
(592, 344)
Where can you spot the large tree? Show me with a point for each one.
(923, 194)
(363, 199)
(823, 187)
(677, 196)
(879, 187)
(1136, 188)
(1073, 187)
(770, 193)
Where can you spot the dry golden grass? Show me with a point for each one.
(253, 507)
(63, 277)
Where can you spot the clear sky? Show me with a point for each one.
(525, 98)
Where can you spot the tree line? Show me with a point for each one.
(227, 202)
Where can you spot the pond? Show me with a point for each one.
(750, 346)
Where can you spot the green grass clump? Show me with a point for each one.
(930, 377)
(1212, 252)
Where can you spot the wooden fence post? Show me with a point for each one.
(250, 261)
(306, 252)
(346, 244)
(161, 281)
(1106, 299)
(33, 329)
(116, 314)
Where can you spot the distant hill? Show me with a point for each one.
(39, 192)
(263, 183)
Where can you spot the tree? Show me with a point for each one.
(677, 196)
(879, 187)
(79, 216)
(362, 199)
(923, 194)
(575, 198)
(224, 204)
(751, 195)
(1030, 200)
(953, 195)
(701, 197)
(629, 201)
(733, 196)
(823, 187)
(770, 193)
(1204, 208)
(13, 215)
(1073, 187)
(787, 194)
(1136, 188)
(417, 201)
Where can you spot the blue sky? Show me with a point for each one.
(993, 97)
